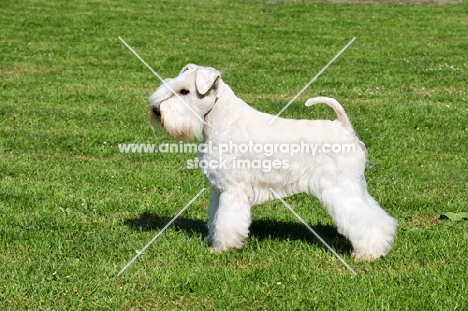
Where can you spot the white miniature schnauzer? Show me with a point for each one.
(198, 104)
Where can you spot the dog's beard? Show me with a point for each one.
(182, 125)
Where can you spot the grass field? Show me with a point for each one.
(73, 209)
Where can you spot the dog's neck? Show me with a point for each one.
(212, 106)
(220, 88)
(226, 111)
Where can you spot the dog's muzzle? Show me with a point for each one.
(156, 110)
(154, 115)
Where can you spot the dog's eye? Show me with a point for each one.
(184, 92)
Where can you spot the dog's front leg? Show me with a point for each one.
(229, 220)
(212, 211)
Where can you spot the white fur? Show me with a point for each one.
(212, 111)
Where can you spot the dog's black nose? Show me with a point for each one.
(157, 111)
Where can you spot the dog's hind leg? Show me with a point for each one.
(359, 218)
(229, 221)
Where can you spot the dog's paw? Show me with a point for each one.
(362, 256)
(216, 250)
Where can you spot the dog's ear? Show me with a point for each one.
(205, 79)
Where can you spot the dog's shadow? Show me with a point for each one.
(261, 229)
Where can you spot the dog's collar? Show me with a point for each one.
(214, 103)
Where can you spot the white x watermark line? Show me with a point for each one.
(159, 233)
(161, 79)
(312, 230)
(312, 81)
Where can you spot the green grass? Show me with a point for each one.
(73, 209)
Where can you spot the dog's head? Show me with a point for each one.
(180, 104)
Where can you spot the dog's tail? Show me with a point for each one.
(333, 103)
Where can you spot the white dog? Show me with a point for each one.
(245, 156)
